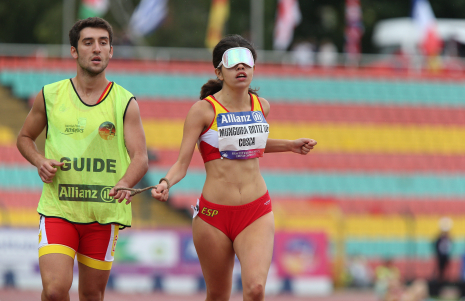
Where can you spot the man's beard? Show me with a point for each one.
(92, 72)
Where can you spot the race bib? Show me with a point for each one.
(242, 135)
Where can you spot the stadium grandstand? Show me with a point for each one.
(389, 164)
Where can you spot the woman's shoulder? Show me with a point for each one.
(265, 105)
(202, 104)
(201, 108)
(263, 101)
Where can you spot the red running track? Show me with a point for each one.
(17, 295)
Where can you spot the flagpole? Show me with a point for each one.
(256, 22)
(67, 22)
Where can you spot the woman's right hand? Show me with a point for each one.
(161, 193)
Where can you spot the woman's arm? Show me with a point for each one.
(199, 117)
(299, 146)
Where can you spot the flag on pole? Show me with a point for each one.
(423, 16)
(147, 16)
(288, 16)
(219, 14)
(353, 31)
(93, 8)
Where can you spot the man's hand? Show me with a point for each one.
(121, 195)
(161, 193)
(303, 145)
(47, 170)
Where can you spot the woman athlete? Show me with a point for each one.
(233, 215)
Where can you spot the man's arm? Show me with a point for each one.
(134, 137)
(35, 123)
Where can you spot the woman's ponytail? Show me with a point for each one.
(211, 87)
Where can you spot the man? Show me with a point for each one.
(443, 248)
(95, 142)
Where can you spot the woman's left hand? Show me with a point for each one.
(303, 145)
(161, 192)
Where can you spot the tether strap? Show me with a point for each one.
(134, 191)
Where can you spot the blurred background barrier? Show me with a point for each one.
(166, 260)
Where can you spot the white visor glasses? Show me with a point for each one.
(237, 55)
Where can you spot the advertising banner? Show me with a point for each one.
(156, 252)
(301, 254)
(172, 252)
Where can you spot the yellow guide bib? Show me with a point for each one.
(89, 139)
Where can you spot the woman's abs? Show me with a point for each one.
(233, 182)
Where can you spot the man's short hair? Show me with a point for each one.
(94, 22)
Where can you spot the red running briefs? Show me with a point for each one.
(94, 243)
(231, 220)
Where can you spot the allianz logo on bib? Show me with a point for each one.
(229, 118)
(85, 193)
(257, 116)
(243, 118)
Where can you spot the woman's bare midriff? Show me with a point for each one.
(233, 182)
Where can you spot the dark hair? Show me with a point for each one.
(94, 22)
(231, 41)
